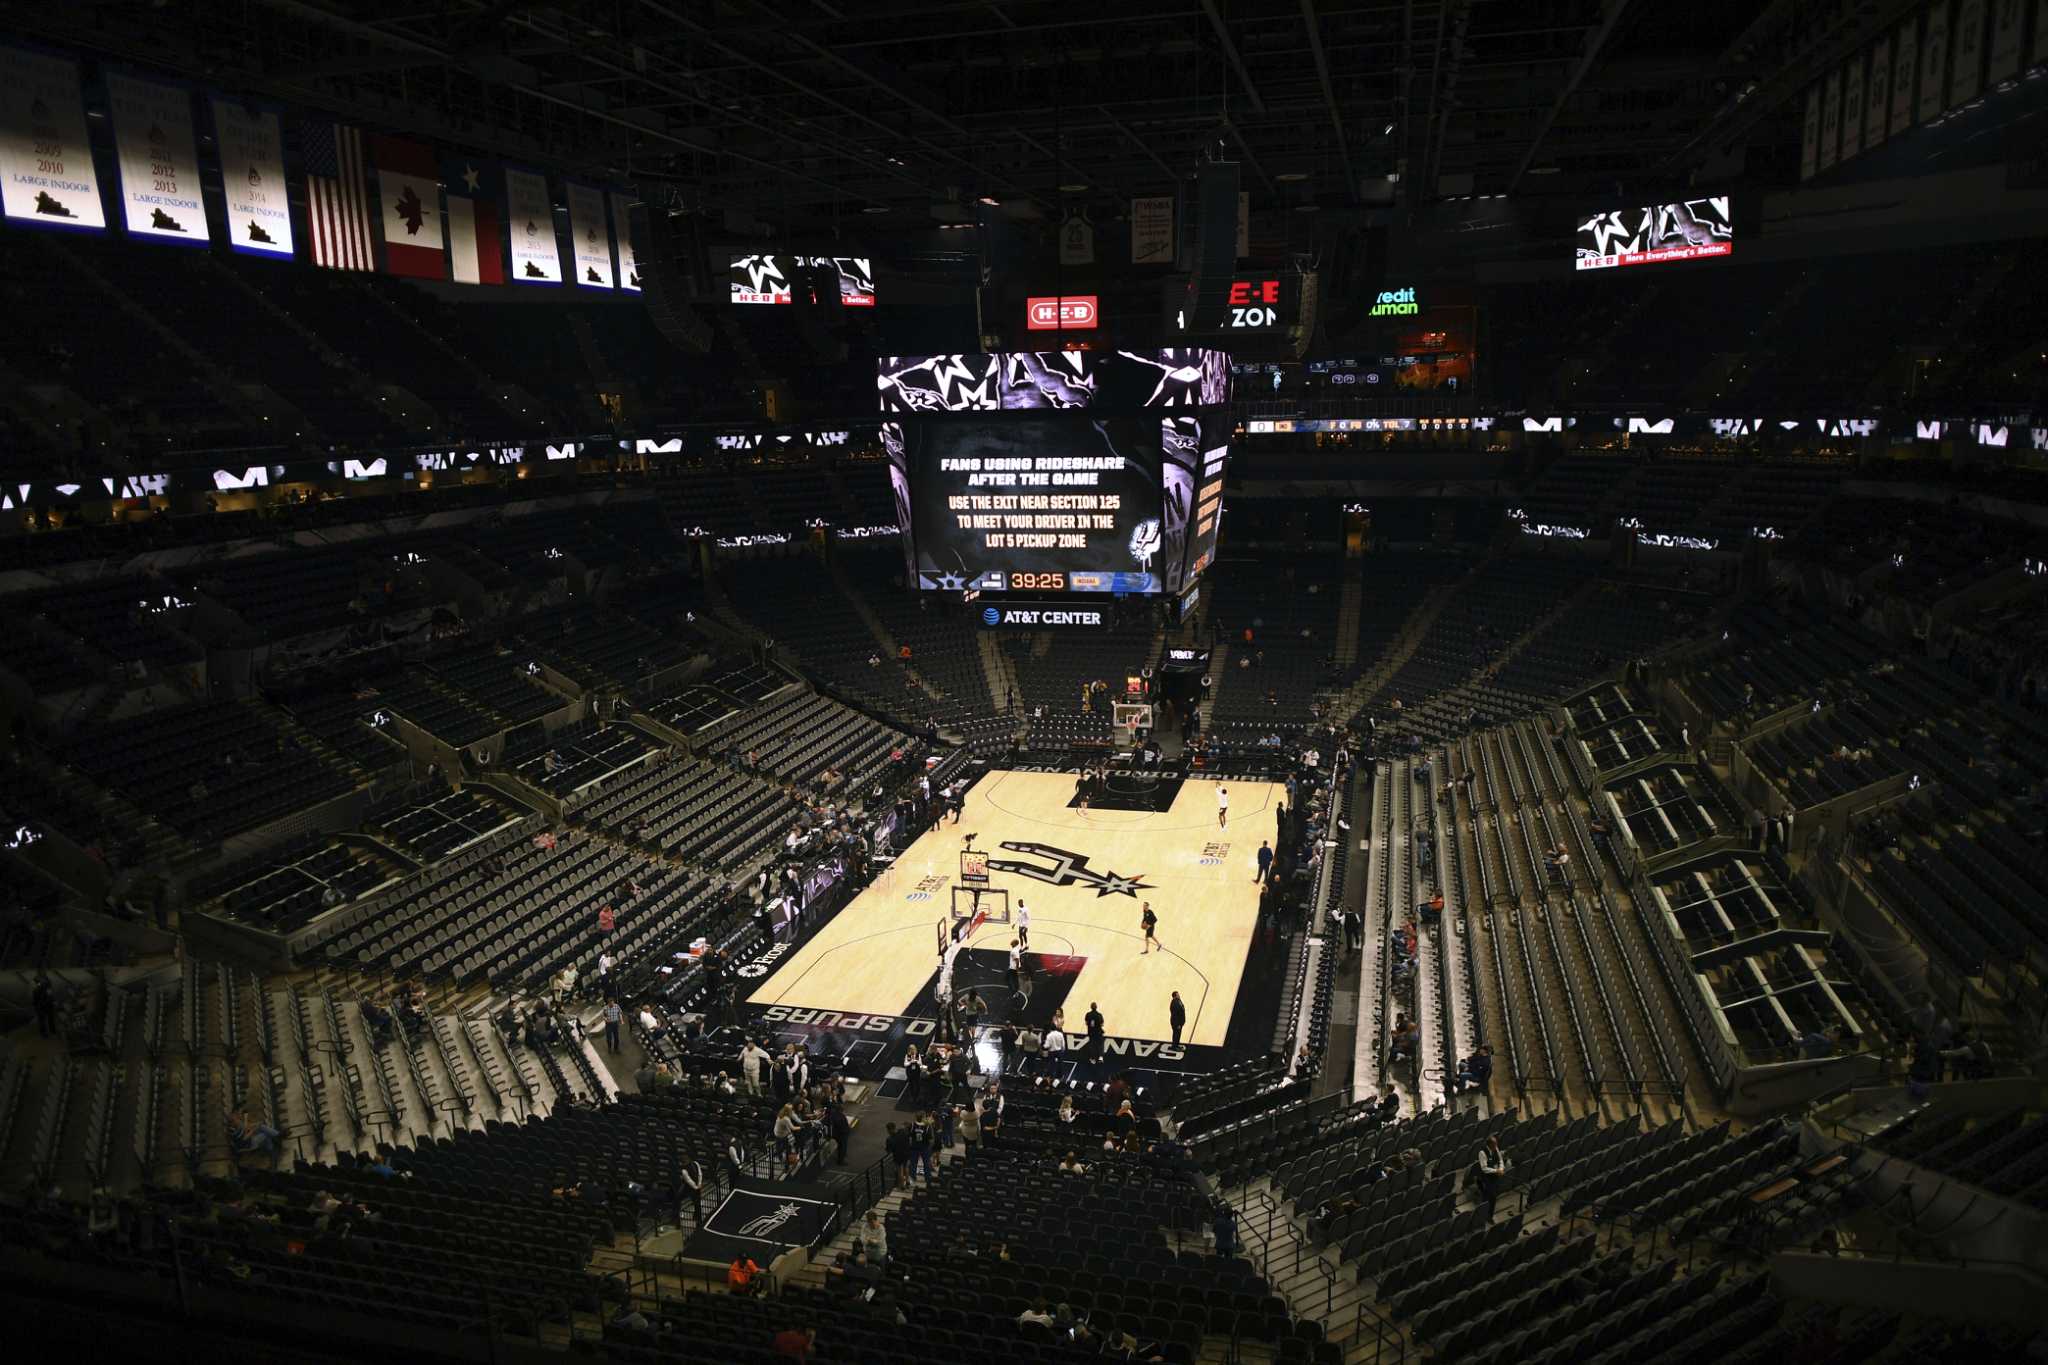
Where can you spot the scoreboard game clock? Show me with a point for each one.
(1058, 473)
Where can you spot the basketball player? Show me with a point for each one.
(1081, 789)
(1016, 965)
(1149, 922)
(1222, 806)
(1023, 926)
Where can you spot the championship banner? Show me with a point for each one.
(1152, 230)
(622, 226)
(536, 258)
(1966, 46)
(46, 171)
(590, 238)
(409, 197)
(1877, 94)
(251, 146)
(1852, 109)
(2008, 24)
(155, 150)
(1905, 71)
(1933, 66)
(476, 252)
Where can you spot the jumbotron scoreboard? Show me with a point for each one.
(1055, 472)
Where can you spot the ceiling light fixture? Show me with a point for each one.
(990, 200)
(876, 208)
(1073, 189)
(1290, 177)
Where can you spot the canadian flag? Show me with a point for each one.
(409, 190)
(475, 243)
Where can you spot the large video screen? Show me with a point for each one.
(1689, 230)
(1049, 503)
(769, 279)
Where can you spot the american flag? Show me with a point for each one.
(337, 197)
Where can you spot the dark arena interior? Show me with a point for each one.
(1181, 680)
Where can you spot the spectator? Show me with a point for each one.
(244, 1136)
(45, 1002)
(796, 1342)
(1070, 1164)
(690, 1186)
(1406, 1038)
(1490, 1170)
(1225, 1228)
(921, 1147)
(969, 1126)
(1176, 1015)
(754, 1067)
(1476, 1071)
(651, 1026)
(874, 1237)
(897, 1145)
(1390, 1104)
(613, 1017)
(1037, 1315)
(743, 1276)
(838, 1129)
(1054, 1045)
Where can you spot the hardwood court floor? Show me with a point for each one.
(879, 952)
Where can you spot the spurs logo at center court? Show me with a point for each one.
(1067, 869)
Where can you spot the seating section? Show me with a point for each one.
(1500, 601)
(601, 647)
(304, 880)
(562, 760)
(208, 770)
(815, 742)
(1290, 607)
(705, 812)
(513, 913)
(1100, 1241)
(2004, 1153)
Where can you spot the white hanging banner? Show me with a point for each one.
(536, 257)
(251, 146)
(1152, 230)
(590, 238)
(46, 171)
(622, 230)
(154, 146)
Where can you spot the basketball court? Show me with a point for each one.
(1084, 876)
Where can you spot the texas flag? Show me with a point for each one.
(475, 235)
(409, 192)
